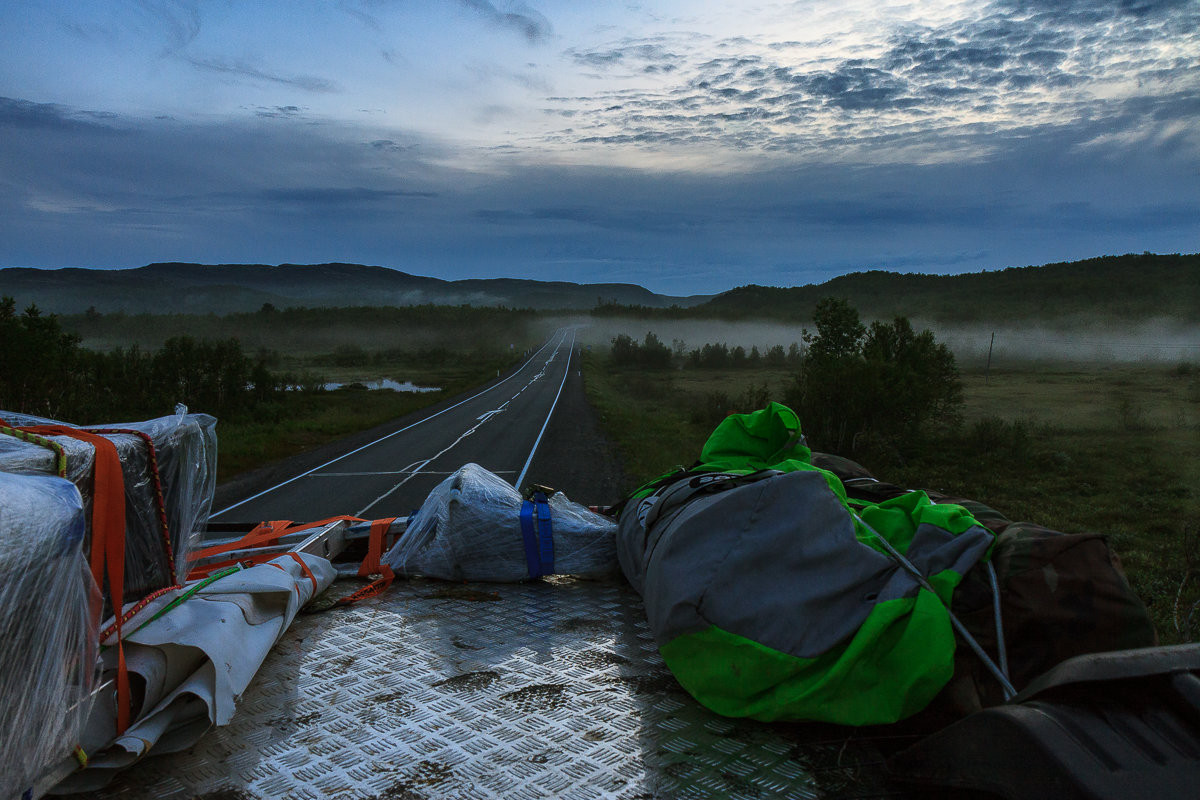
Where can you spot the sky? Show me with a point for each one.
(689, 147)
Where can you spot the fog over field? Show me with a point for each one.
(1167, 341)
(1164, 340)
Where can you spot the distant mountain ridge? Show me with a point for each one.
(177, 287)
(1130, 286)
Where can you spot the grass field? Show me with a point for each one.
(1110, 448)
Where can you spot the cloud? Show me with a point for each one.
(278, 112)
(487, 73)
(389, 146)
(178, 21)
(964, 88)
(639, 54)
(328, 196)
(18, 113)
(523, 19)
(366, 19)
(308, 83)
(639, 220)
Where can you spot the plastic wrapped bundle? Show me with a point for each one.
(160, 533)
(48, 661)
(475, 526)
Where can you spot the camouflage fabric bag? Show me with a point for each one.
(1062, 595)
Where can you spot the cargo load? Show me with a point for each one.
(165, 468)
(475, 526)
(777, 592)
(48, 616)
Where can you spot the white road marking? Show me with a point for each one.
(566, 371)
(384, 438)
(481, 421)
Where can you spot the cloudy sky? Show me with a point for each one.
(688, 146)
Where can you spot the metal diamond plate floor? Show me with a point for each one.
(545, 689)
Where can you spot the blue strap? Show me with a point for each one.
(545, 534)
(537, 532)
(532, 552)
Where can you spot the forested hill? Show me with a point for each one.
(226, 288)
(1114, 287)
(1117, 287)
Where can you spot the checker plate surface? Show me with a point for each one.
(545, 689)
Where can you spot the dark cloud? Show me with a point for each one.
(241, 69)
(1092, 11)
(278, 112)
(18, 113)
(607, 218)
(389, 146)
(638, 54)
(899, 210)
(327, 196)
(854, 86)
(523, 19)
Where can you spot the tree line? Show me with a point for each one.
(652, 353)
(45, 371)
(884, 383)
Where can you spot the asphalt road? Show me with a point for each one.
(499, 427)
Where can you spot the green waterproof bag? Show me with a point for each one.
(768, 596)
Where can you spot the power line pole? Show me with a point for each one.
(988, 369)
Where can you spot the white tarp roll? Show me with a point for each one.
(196, 660)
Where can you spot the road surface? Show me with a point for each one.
(499, 427)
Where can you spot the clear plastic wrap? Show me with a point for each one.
(185, 447)
(469, 528)
(48, 659)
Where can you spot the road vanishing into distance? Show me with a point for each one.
(499, 428)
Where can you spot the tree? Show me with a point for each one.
(839, 332)
(650, 354)
(38, 361)
(886, 381)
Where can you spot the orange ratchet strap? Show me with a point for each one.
(108, 543)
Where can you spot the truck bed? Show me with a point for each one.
(550, 688)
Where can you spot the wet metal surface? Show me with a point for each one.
(537, 690)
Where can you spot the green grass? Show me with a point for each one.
(1107, 448)
(659, 420)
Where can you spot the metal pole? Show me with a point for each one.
(988, 369)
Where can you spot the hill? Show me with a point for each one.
(1117, 287)
(1128, 287)
(225, 288)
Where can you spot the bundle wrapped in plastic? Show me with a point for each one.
(168, 468)
(48, 661)
(475, 526)
(194, 651)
